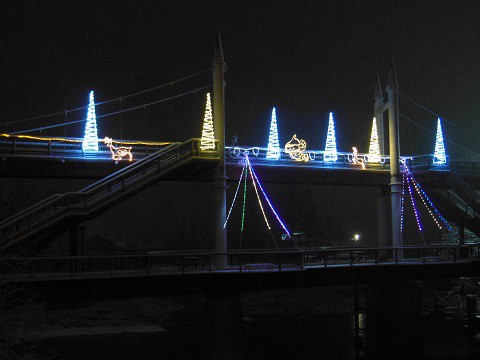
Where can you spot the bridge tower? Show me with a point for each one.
(379, 107)
(394, 142)
(219, 68)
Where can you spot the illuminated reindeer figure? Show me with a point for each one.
(120, 152)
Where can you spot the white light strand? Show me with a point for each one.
(273, 150)
(403, 202)
(258, 197)
(331, 144)
(266, 198)
(90, 139)
(236, 193)
(208, 137)
(374, 148)
(415, 211)
(439, 157)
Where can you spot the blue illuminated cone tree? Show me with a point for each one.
(273, 150)
(90, 139)
(331, 145)
(208, 137)
(439, 157)
(374, 148)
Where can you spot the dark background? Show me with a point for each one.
(307, 58)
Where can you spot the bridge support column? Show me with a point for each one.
(393, 323)
(220, 175)
(223, 323)
(77, 239)
(395, 183)
(384, 230)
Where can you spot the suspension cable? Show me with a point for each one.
(113, 113)
(171, 83)
(438, 116)
(431, 132)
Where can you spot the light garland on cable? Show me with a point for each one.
(258, 197)
(439, 157)
(402, 202)
(417, 217)
(90, 139)
(267, 199)
(208, 137)
(331, 144)
(374, 148)
(273, 150)
(244, 199)
(235, 197)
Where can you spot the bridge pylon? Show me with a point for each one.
(379, 107)
(219, 67)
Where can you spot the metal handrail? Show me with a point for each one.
(89, 197)
(150, 264)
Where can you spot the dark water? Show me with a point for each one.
(324, 336)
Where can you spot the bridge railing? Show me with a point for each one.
(316, 158)
(71, 147)
(107, 189)
(149, 264)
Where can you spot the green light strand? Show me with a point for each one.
(244, 198)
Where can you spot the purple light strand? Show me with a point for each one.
(414, 206)
(266, 198)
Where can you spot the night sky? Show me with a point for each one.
(307, 58)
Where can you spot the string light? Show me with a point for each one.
(235, 197)
(90, 139)
(426, 200)
(439, 157)
(402, 202)
(331, 144)
(374, 148)
(267, 199)
(273, 150)
(414, 206)
(258, 197)
(244, 197)
(208, 136)
(296, 149)
(120, 152)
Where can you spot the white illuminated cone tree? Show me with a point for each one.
(331, 144)
(273, 150)
(208, 137)
(90, 139)
(374, 148)
(439, 157)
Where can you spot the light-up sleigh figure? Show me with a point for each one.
(120, 152)
(296, 149)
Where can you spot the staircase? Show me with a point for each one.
(44, 217)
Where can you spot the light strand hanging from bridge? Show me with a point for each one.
(439, 157)
(415, 210)
(426, 200)
(402, 202)
(90, 139)
(244, 199)
(258, 196)
(374, 148)
(331, 144)
(208, 137)
(236, 193)
(273, 149)
(267, 199)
